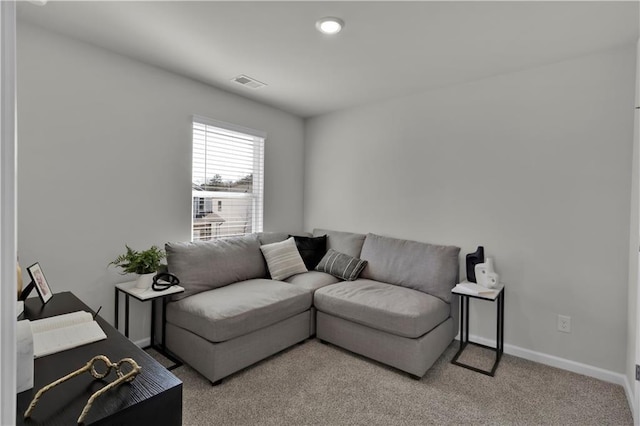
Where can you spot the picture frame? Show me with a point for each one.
(40, 282)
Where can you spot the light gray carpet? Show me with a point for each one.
(313, 383)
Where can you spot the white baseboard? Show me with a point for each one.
(629, 391)
(566, 364)
(143, 343)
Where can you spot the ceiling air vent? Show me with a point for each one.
(249, 82)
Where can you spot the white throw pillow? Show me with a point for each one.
(283, 259)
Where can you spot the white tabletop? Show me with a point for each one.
(492, 293)
(147, 293)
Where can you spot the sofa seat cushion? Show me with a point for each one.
(398, 310)
(312, 280)
(237, 309)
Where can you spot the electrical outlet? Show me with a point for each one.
(564, 323)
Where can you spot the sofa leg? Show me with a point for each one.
(323, 342)
(216, 383)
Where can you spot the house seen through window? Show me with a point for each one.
(227, 180)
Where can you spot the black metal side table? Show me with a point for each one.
(496, 295)
(129, 289)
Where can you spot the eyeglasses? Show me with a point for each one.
(126, 370)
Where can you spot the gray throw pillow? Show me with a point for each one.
(283, 259)
(341, 265)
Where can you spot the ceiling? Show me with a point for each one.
(387, 49)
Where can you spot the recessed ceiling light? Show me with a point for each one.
(329, 25)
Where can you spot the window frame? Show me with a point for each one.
(257, 195)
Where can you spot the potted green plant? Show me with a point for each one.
(144, 263)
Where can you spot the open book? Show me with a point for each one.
(62, 332)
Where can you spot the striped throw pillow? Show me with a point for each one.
(283, 259)
(341, 265)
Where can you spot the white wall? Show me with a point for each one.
(534, 165)
(634, 244)
(8, 212)
(105, 159)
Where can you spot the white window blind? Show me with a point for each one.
(227, 179)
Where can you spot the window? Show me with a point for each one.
(228, 165)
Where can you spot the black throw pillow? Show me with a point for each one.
(312, 249)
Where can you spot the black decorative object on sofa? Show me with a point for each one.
(472, 260)
(312, 249)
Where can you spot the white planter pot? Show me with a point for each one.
(144, 281)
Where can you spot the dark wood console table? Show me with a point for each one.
(154, 397)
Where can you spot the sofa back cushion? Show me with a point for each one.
(343, 242)
(276, 237)
(271, 237)
(205, 265)
(432, 269)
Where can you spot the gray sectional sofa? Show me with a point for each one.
(231, 315)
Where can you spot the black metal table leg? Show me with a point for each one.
(153, 323)
(126, 315)
(164, 323)
(162, 348)
(502, 296)
(466, 332)
(462, 321)
(117, 307)
(464, 329)
(498, 330)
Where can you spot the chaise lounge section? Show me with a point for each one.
(399, 312)
(231, 315)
